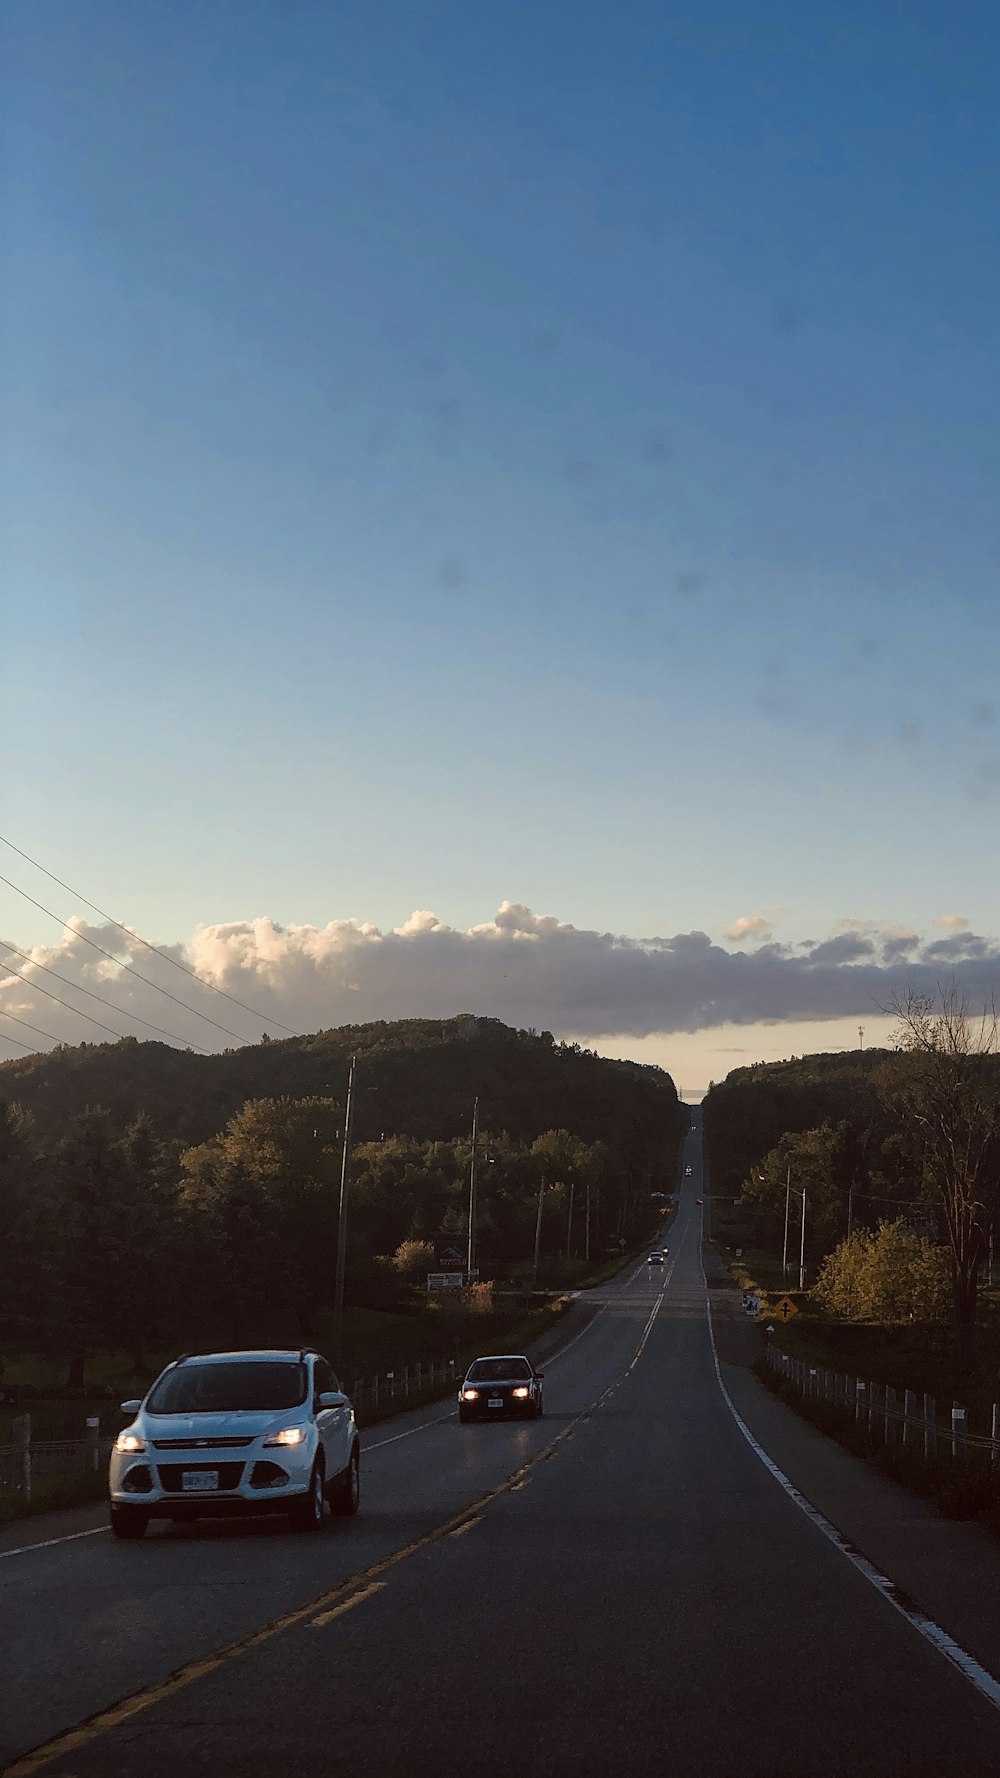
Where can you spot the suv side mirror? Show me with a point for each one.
(130, 1407)
(331, 1398)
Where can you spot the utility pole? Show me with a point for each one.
(471, 1258)
(538, 1236)
(850, 1212)
(586, 1225)
(861, 1037)
(569, 1223)
(788, 1196)
(345, 1186)
(802, 1247)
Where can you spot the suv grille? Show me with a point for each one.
(201, 1444)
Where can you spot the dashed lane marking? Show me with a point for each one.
(327, 1617)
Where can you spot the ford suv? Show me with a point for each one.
(228, 1433)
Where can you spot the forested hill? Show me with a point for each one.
(416, 1077)
(747, 1114)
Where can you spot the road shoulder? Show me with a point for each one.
(950, 1569)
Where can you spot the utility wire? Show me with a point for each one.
(101, 999)
(119, 964)
(27, 1027)
(144, 941)
(36, 988)
(20, 1045)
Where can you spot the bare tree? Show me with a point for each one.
(945, 1088)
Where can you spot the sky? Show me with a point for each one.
(500, 514)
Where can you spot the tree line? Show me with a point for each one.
(904, 1140)
(121, 1236)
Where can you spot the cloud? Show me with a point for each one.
(749, 926)
(951, 922)
(525, 968)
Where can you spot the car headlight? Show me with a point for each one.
(129, 1442)
(470, 1394)
(289, 1435)
(523, 1392)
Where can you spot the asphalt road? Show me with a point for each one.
(622, 1588)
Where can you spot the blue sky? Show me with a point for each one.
(545, 453)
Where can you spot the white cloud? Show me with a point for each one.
(525, 968)
(752, 926)
(952, 922)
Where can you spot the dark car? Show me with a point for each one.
(499, 1388)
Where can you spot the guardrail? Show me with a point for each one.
(889, 1416)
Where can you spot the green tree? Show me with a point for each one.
(889, 1274)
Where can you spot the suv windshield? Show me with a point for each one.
(229, 1387)
(498, 1370)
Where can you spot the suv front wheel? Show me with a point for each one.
(307, 1513)
(128, 1521)
(345, 1497)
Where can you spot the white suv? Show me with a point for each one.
(237, 1432)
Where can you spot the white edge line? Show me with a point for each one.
(25, 1549)
(986, 1685)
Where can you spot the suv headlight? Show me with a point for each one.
(129, 1443)
(289, 1435)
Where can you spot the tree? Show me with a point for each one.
(944, 1088)
(892, 1274)
(813, 1161)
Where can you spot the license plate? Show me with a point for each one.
(495, 1401)
(199, 1481)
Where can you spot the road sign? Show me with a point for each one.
(445, 1280)
(450, 1256)
(785, 1309)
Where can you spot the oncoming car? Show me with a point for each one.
(233, 1433)
(655, 1258)
(495, 1387)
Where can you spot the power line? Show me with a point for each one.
(78, 988)
(144, 941)
(36, 988)
(28, 1027)
(20, 1045)
(119, 964)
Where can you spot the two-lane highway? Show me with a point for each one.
(85, 1621)
(625, 1587)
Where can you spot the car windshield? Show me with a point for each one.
(262, 1387)
(499, 1370)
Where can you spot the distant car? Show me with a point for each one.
(687, 1171)
(655, 1259)
(232, 1433)
(697, 1200)
(498, 1388)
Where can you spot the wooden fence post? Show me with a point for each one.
(889, 1431)
(93, 1456)
(995, 1437)
(22, 1438)
(860, 1401)
(909, 1418)
(959, 1430)
(930, 1427)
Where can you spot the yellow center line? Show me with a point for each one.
(348, 1605)
(470, 1525)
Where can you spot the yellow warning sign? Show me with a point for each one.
(785, 1309)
